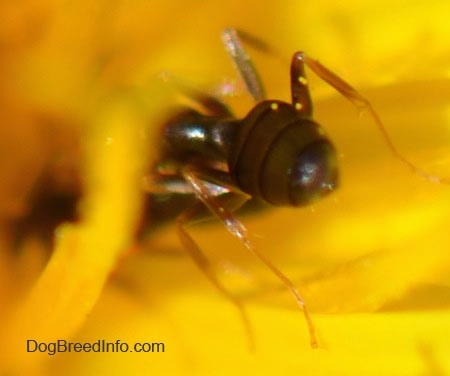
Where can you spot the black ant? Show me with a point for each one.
(276, 154)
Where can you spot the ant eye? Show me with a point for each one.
(314, 173)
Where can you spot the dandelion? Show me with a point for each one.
(78, 92)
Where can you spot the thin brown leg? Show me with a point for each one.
(233, 39)
(362, 103)
(211, 105)
(205, 266)
(238, 230)
(232, 42)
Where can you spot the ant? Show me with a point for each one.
(213, 163)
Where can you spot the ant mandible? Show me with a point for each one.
(276, 154)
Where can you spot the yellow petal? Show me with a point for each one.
(364, 259)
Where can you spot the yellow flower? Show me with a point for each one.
(79, 87)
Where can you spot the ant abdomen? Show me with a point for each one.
(282, 156)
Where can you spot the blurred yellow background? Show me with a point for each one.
(79, 87)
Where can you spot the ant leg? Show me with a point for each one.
(238, 230)
(362, 103)
(232, 41)
(210, 104)
(195, 213)
(301, 99)
(192, 214)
